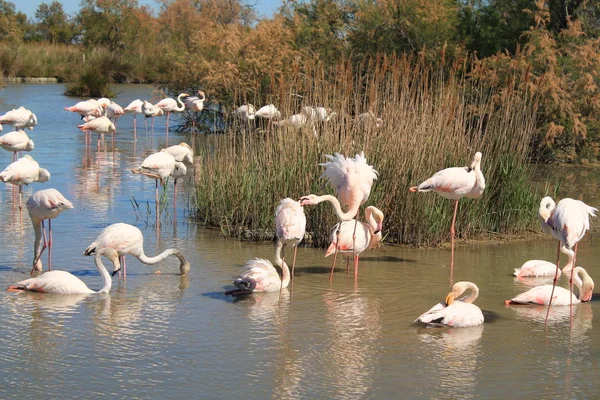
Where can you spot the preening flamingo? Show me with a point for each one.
(127, 239)
(157, 166)
(19, 118)
(560, 296)
(566, 221)
(42, 205)
(290, 225)
(355, 238)
(134, 107)
(182, 152)
(170, 105)
(16, 141)
(456, 312)
(23, 172)
(454, 184)
(259, 275)
(114, 111)
(150, 111)
(352, 179)
(63, 282)
(540, 268)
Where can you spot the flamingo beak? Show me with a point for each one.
(449, 299)
(115, 272)
(379, 228)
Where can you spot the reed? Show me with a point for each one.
(433, 118)
(40, 60)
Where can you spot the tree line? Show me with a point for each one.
(552, 46)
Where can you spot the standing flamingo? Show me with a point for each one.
(87, 108)
(127, 239)
(355, 238)
(290, 225)
(246, 112)
(458, 313)
(101, 126)
(23, 172)
(352, 179)
(157, 166)
(269, 112)
(19, 118)
(558, 296)
(540, 268)
(170, 105)
(63, 282)
(114, 111)
(259, 275)
(45, 204)
(16, 141)
(566, 221)
(134, 107)
(184, 156)
(195, 104)
(150, 111)
(454, 184)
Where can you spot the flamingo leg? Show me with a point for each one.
(354, 248)
(156, 199)
(134, 125)
(337, 247)
(452, 232)
(168, 115)
(294, 260)
(554, 283)
(347, 266)
(175, 201)
(571, 289)
(282, 263)
(356, 268)
(49, 245)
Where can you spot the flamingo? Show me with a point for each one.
(127, 239)
(134, 107)
(320, 114)
(182, 152)
(269, 112)
(352, 179)
(259, 275)
(566, 221)
(23, 172)
(86, 108)
(158, 166)
(246, 112)
(297, 121)
(355, 240)
(101, 126)
(558, 296)
(455, 183)
(45, 204)
(114, 111)
(290, 225)
(19, 118)
(540, 268)
(179, 171)
(195, 104)
(170, 105)
(150, 111)
(458, 313)
(16, 141)
(63, 282)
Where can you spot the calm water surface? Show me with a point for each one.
(166, 336)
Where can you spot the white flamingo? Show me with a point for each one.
(170, 105)
(114, 111)
(127, 239)
(19, 118)
(42, 205)
(23, 172)
(63, 282)
(16, 141)
(541, 268)
(246, 112)
(134, 107)
(86, 108)
(290, 225)
(454, 184)
(269, 112)
(102, 125)
(456, 312)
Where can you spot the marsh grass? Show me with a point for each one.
(433, 119)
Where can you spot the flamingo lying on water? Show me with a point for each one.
(456, 312)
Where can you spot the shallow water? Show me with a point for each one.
(166, 336)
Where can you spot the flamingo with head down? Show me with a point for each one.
(19, 118)
(16, 141)
(290, 225)
(23, 172)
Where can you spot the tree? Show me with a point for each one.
(12, 24)
(53, 23)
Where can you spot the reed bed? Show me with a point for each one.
(432, 119)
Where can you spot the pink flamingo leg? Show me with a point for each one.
(337, 247)
(282, 262)
(156, 199)
(294, 260)
(175, 201)
(354, 248)
(168, 115)
(49, 245)
(356, 268)
(571, 289)
(555, 280)
(452, 231)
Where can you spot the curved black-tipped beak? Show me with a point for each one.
(115, 272)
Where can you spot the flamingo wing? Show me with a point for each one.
(536, 268)
(458, 315)
(60, 282)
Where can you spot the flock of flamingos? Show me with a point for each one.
(350, 177)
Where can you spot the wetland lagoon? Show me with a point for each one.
(161, 335)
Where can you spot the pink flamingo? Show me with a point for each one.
(259, 275)
(456, 312)
(170, 105)
(127, 239)
(566, 221)
(23, 172)
(42, 205)
(454, 184)
(352, 179)
(558, 296)
(101, 126)
(195, 104)
(269, 112)
(114, 111)
(19, 118)
(351, 238)
(290, 225)
(63, 282)
(541, 268)
(134, 107)
(16, 141)
(88, 107)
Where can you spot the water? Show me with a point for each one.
(166, 336)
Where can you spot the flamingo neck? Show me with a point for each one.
(342, 216)
(181, 106)
(473, 295)
(37, 227)
(284, 267)
(184, 266)
(114, 257)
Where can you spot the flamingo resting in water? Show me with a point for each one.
(16, 141)
(134, 107)
(352, 179)
(19, 118)
(290, 225)
(566, 221)
(259, 275)
(456, 312)
(558, 296)
(454, 184)
(127, 239)
(351, 238)
(23, 172)
(42, 205)
(540, 268)
(63, 282)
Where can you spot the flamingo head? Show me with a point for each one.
(309, 200)
(476, 160)
(546, 207)
(43, 175)
(103, 102)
